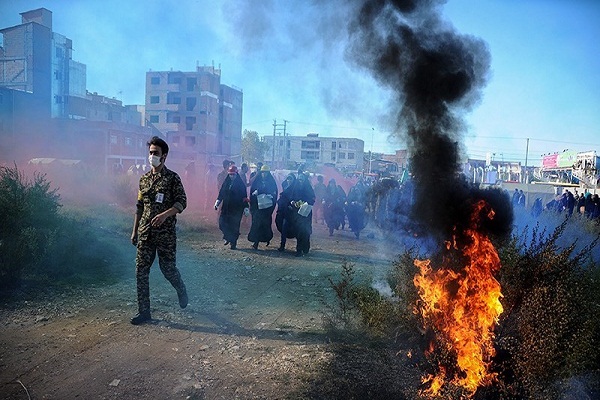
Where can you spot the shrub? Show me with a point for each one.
(39, 242)
(549, 329)
(361, 307)
(548, 334)
(30, 223)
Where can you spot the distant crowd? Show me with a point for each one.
(586, 204)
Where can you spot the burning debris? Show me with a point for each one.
(462, 305)
(436, 75)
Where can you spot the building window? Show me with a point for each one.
(58, 99)
(309, 155)
(174, 119)
(113, 139)
(342, 156)
(155, 80)
(176, 79)
(175, 139)
(154, 119)
(174, 100)
(60, 52)
(350, 156)
(332, 156)
(154, 99)
(140, 143)
(311, 144)
(333, 145)
(190, 103)
(190, 140)
(189, 123)
(128, 141)
(191, 84)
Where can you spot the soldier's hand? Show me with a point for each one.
(158, 220)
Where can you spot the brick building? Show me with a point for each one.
(201, 117)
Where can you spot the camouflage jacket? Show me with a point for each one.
(157, 193)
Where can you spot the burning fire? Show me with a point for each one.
(462, 305)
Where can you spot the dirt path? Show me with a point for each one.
(253, 329)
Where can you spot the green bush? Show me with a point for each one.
(549, 330)
(548, 333)
(362, 308)
(30, 211)
(38, 242)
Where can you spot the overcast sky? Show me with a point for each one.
(288, 58)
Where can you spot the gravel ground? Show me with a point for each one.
(254, 328)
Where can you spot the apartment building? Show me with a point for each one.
(201, 118)
(37, 60)
(312, 151)
(46, 110)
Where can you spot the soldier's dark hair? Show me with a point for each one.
(160, 143)
(226, 163)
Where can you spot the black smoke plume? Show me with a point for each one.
(437, 75)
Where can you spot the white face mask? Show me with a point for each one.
(154, 160)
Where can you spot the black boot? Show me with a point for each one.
(233, 245)
(255, 245)
(141, 318)
(281, 247)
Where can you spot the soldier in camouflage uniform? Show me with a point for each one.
(161, 196)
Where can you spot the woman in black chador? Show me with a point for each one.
(282, 216)
(262, 203)
(232, 198)
(355, 208)
(333, 206)
(292, 198)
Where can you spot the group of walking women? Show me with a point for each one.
(337, 206)
(294, 208)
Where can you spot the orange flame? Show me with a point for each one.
(463, 307)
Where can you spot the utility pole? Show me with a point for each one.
(526, 156)
(278, 129)
(274, 131)
(284, 151)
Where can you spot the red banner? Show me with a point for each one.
(550, 161)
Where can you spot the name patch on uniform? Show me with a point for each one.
(160, 197)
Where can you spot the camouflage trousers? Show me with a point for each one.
(165, 247)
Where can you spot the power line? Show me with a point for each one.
(536, 140)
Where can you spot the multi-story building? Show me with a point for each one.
(313, 151)
(37, 60)
(45, 109)
(201, 118)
